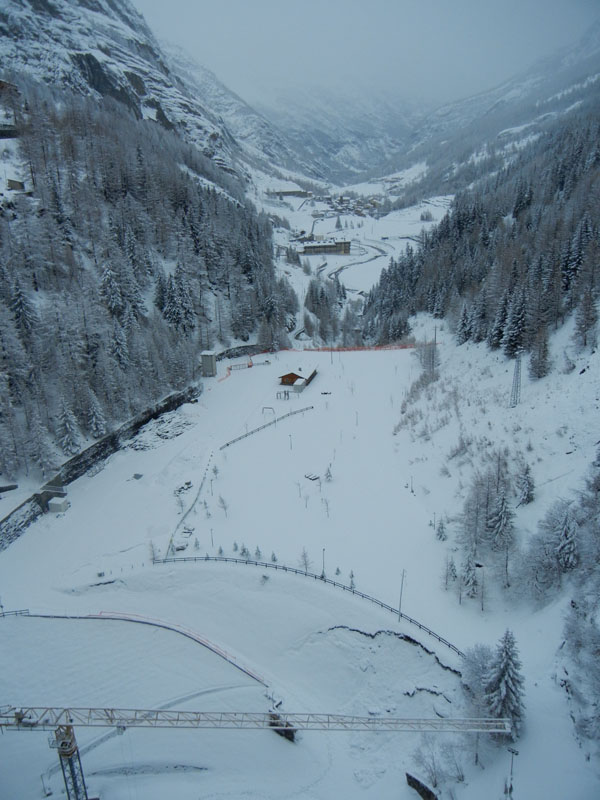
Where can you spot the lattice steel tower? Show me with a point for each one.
(64, 741)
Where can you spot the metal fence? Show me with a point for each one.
(266, 425)
(323, 579)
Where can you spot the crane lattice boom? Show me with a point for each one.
(44, 718)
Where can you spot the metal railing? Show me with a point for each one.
(315, 576)
(266, 425)
(22, 612)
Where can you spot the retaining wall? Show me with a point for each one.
(13, 525)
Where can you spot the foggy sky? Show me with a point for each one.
(431, 50)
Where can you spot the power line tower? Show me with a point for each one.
(515, 395)
(64, 741)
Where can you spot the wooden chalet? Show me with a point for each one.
(297, 380)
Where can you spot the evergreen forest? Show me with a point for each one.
(130, 254)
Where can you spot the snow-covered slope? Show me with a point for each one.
(460, 134)
(373, 517)
(344, 132)
(105, 47)
(260, 138)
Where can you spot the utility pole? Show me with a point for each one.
(515, 395)
(508, 790)
(401, 588)
(482, 567)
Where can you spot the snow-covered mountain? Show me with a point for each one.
(259, 138)
(104, 47)
(458, 134)
(338, 135)
(345, 132)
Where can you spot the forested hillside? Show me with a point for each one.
(129, 255)
(516, 253)
(517, 256)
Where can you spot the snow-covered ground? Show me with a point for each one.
(173, 485)
(374, 239)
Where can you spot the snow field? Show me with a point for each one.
(371, 523)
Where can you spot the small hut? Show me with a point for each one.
(297, 380)
(209, 364)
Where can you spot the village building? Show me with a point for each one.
(325, 248)
(289, 193)
(297, 380)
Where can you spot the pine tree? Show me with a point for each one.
(504, 684)
(68, 433)
(479, 320)
(586, 319)
(110, 292)
(118, 346)
(96, 421)
(567, 551)
(513, 338)
(40, 447)
(24, 314)
(452, 573)
(539, 361)
(441, 531)
(496, 333)
(160, 291)
(469, 577)
(463, 331)
(525, 486)
(500, 524)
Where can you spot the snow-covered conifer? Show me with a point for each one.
(39, 446)
(24, 314)
(463, 331)
(539, 360)
(68, 433)
(525, 486)
(110, 292)
(504, 684)
(500, 524)
(469, 577)
(567, 551)
(513, 338)
(441, 531)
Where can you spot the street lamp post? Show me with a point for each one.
(323, 571)
(482, 568)
(508, 789)
(400, 602)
